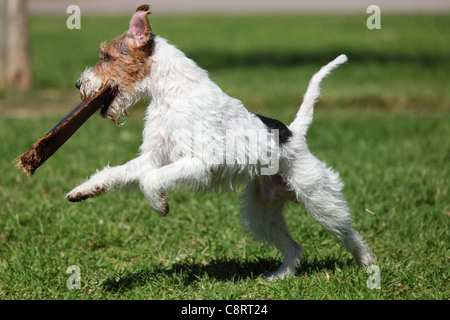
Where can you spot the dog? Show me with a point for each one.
(198, 137)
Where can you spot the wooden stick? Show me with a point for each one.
(55, 138)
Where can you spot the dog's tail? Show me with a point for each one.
(305, 114)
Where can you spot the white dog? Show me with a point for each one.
(198, 137)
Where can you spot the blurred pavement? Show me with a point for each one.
(239, 6)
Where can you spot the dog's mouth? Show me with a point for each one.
(115, 105)
(105, 111)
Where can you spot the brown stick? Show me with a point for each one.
(55, 138)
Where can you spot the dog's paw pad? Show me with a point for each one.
(77, 196)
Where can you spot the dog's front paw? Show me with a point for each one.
(79, 193)
(161, 206)
(157, 201)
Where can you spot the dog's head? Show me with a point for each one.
(124, 63)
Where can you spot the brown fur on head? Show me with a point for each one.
(123, 62)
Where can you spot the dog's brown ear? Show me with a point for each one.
(140, 28)
(143, 7)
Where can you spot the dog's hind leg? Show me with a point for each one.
(320, 191)
(266, 221)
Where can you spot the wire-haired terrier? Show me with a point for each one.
(198, 137)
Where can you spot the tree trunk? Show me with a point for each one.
(3, 15)
(18, 66)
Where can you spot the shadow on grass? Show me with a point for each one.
(222, 270)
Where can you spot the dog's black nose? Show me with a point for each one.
(78, 84)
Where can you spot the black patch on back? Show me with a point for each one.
(283, 131)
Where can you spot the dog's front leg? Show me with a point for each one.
(187, 172)
(110, 178)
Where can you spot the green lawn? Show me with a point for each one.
(383, 122)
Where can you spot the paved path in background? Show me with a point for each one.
(238, 6)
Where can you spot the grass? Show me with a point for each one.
(382, 122)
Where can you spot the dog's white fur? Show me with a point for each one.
(185, 101)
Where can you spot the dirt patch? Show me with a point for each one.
(35, 103)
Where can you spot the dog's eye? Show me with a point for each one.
(106, 57)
